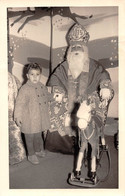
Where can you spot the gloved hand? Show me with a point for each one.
(105, 94)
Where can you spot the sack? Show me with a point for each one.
(54, 142)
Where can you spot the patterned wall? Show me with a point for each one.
(39, 34)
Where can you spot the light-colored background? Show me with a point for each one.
(103, 33)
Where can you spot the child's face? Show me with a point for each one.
(34, 75)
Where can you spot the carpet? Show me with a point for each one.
(53, 171)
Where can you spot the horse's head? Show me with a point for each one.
(84, 115)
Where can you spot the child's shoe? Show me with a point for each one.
(41, 153)
(33, 159)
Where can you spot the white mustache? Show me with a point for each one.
(76, 53)
(78, 60)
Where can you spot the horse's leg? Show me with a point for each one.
(102, 136)
(103, 143)
(94, 153)
(80, 159)
(93, 160)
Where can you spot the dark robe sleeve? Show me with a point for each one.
(97, 74)
(59, 76)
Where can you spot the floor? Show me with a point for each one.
(54, 169)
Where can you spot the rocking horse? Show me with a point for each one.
(91, 115)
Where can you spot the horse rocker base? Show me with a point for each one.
(83, 182)
(92, 180)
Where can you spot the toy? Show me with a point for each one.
(92, 146)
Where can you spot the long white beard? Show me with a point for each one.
(78, 62)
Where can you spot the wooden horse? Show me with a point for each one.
(91, 121)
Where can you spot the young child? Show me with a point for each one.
(32, 113)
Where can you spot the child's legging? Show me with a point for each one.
(34, 143)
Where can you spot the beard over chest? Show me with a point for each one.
(78, 62)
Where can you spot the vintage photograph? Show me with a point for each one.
(63, 97)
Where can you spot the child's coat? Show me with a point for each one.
(32, 108)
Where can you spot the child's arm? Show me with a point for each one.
(19, 106)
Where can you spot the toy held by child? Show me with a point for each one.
(32, 113)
